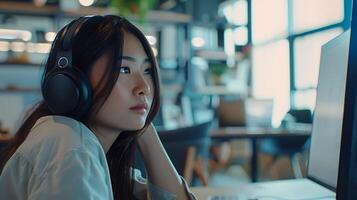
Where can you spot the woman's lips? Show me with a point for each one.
(140, 108)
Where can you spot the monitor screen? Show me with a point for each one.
(328, 116)
(347, 176)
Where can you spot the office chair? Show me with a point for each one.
(291, 147)
(230, 112)
(188, 149)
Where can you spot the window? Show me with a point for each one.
(307, 57)
(312, 14)
(271, 76)
(241, 36)
(305, 99)
(269, 20)
(235, 12)
(276, 28)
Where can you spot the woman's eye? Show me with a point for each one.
(148, 71)
(124, 70)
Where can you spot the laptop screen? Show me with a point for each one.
(258, 112)
(328, 116)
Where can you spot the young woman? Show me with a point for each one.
(101, 92)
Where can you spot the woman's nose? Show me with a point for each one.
(142, 87)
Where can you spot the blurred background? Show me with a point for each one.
(239, 77)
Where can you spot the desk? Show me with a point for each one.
(255, 133)
(282, 189)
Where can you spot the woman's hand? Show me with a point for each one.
(149, 136)
(157, 163)
(150, 129)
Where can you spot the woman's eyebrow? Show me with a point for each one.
(127, 58)
(132, 59)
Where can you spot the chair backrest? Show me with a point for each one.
(245, 112)
(289, 145)
(177, 141)
(231, 113)
(301, 115)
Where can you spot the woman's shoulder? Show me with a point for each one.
(61, 130)
(53, 137)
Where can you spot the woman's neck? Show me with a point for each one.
(106, 135)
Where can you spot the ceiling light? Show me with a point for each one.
(12, 34)
(50, 36)
(198, 42)
(86, 2)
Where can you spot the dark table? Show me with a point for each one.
(223, 134)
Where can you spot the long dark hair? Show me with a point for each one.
(98, 36)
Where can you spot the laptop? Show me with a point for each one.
(321, 180)
(259, 112)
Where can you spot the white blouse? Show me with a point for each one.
(62, 159)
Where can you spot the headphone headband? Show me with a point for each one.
(72, 31)
(64, 56)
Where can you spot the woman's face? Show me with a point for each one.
(128, 105)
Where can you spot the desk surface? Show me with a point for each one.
(258, 132)
(283, 189)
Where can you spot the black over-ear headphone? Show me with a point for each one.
(65, 89)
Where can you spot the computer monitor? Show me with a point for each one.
(347, 177)
(328, 118)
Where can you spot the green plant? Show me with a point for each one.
(218, 69)
(133, 7)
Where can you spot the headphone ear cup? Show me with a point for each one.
(67, 92)
(85, 93)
